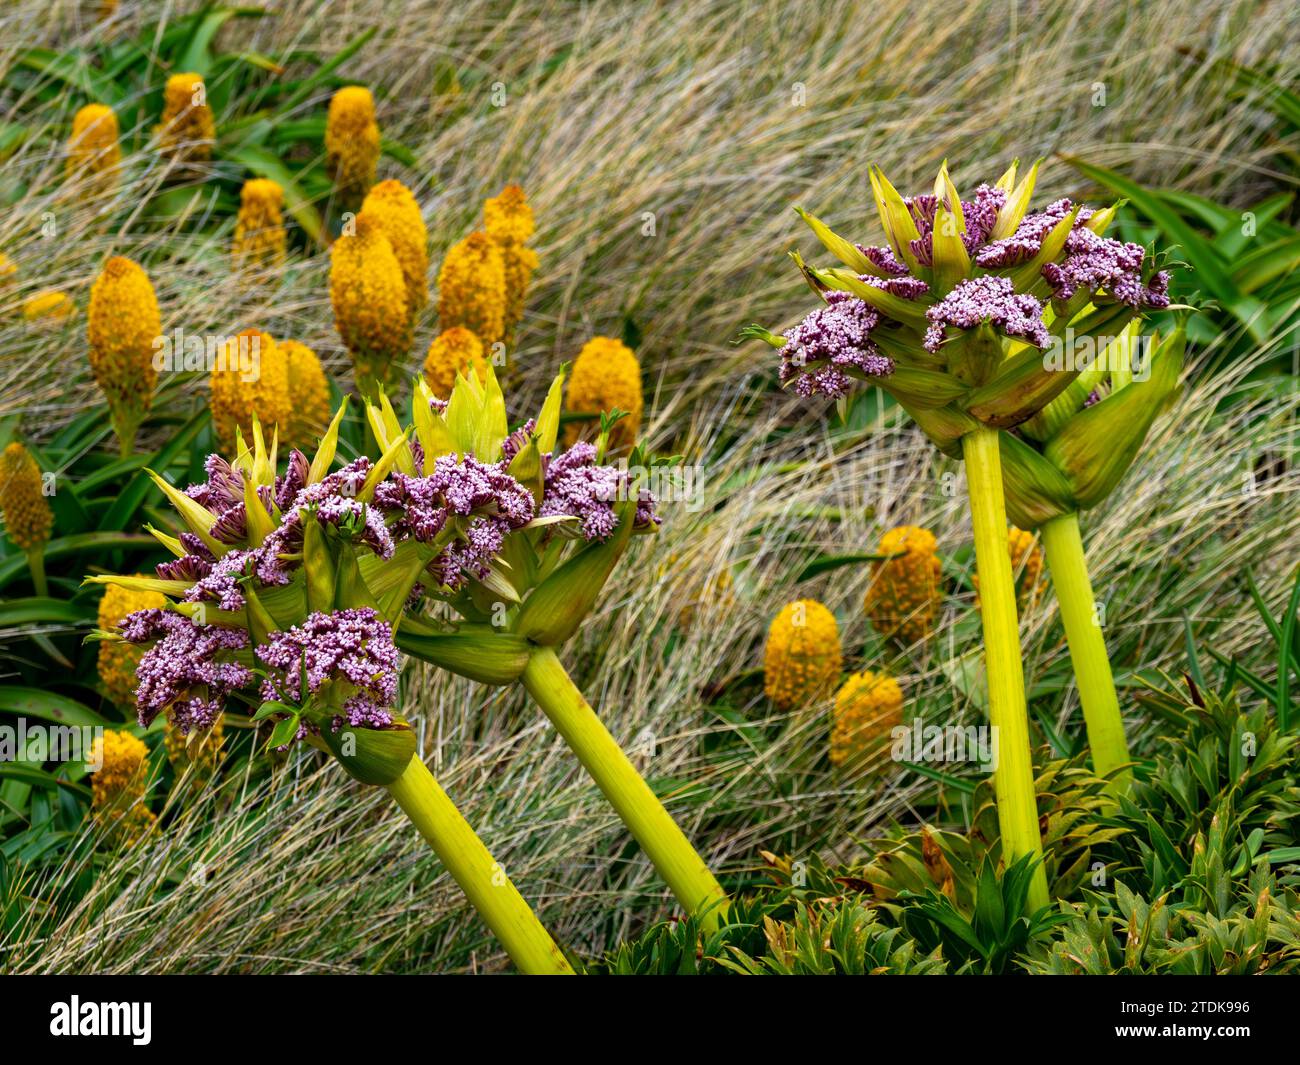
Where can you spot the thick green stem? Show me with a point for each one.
(1013, 780)
(629, 794)
(1101, 716)
(488, 889)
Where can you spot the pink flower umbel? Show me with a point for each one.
(352, 649)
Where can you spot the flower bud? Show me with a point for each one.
(352, 144)
(27, 514)
(802, 658)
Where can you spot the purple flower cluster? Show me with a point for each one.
(489, 502)
(820, 351)
(181, 672)
(1094, 263)
(352, 647)
(1027, 240)
(576, 486)
(987, 299)
(333, 501)
(980, 215)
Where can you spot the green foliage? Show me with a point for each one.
(807, 923)
(1259, 932)
(996, 930)
(1243, 262)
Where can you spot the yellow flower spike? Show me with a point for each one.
(122, 324)
(93, 149)
(27, 514)
(121, 759)
(8, 268)
(188, 129)
(399, 216)
(352, 144)
(118, 660)
(1012, 213)
(250, 380)
(472, 288)
(802, 659)
(49, 307)
(520, 262)
(868, 707)
(198, 753)
(453, 351)
(309, 391)
(605, 376)
(118, 786)
(508, 219)
(368, 294)
(905, 594)
(259, 241)
(1027, 565)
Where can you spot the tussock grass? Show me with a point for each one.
(686, 111)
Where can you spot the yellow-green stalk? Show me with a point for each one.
(639, 808)
(1013, 779)
(1092, 673)
(1070, 457)
(497, 900)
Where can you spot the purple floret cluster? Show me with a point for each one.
(832, 342)
(577, 486)
(352, 647)
(979, 214)
(181, 671)
(991, 300)
(488, 502)
(1099, 264)
(833, 348)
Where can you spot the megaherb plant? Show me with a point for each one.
(290, 596)
(952, 318)
(267, 611)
